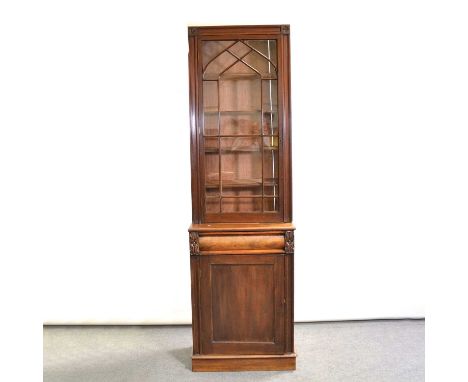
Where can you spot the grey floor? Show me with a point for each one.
(374, 351)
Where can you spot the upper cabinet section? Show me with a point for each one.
(239, 98)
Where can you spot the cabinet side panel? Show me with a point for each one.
(194, 270)
(289, 307)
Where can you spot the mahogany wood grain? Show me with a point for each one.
(244, 252)
(242, 304)
(194, 270)
(241, 227)
(235, 30)
(239, 291)
(244, 363)
(289, 302)
(241, 249)
(235, 242)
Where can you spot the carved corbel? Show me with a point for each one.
(289, 242)
(194, 246)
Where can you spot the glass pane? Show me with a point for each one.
(270, 161)
(241, 163)
(241, 205)
(211, 146)
(267, 48)
(240, 106)
(212, 166)
(261, 55)
(210, 123)
(270, 95)
(246, 150)
(260, 65)
(240, 123)
(218, 65)
(270, 123)
(210, 95)
(239, 91)
(213, 48)
(212, 205)
(270, 166)
(270, 106)
(271, 188)
(270, 142)
(210, 107)
(239, 49)
(242, 188)
(270, 204)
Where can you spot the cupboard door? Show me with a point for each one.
(242, 304)
(240, 130)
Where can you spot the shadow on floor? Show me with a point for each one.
(184, 356)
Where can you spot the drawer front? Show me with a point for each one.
(241, 242)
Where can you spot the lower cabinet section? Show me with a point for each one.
(242, 307)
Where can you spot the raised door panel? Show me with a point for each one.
(242, 304)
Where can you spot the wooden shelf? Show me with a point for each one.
(241, 135)
(267, 109)
(232, 112)
(215, 150)
(242, 183)
(241, 76)
(243, 227)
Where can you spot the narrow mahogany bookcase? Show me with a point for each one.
(242, 236)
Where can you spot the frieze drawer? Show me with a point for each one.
(248, 242)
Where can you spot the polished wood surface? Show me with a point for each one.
(244, 363)
(241, 227)
(241, 240)
(194, 271)
(236, 31)
(241, 300)
(243, 252)
(236, 242)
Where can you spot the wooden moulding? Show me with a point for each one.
(241, 227)
(244, 362)
(241, 239)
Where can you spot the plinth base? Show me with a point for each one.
(243, 362)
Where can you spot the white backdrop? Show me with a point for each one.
(104, 186)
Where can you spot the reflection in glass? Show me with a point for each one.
(241, 205)
(240, 126)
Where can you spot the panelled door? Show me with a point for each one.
(242, 299)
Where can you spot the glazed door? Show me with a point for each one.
(240, 130)
(242, 304)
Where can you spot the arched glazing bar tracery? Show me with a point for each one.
(240, 115)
